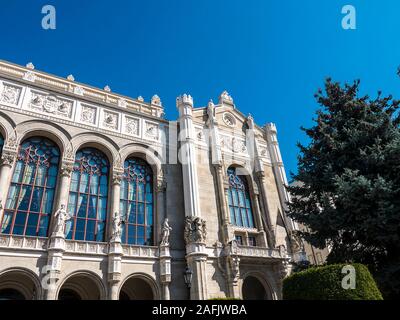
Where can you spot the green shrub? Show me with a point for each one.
(325, 283)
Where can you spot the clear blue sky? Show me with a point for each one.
(270, 55)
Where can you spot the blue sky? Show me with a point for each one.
(270, 55)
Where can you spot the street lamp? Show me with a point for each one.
(188, 274)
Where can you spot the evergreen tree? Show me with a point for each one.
(348, 190)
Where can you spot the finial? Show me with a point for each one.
(156, 100)
(70, 77)
(140, 98)
(107, 88)
(30, 66)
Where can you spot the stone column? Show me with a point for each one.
(114, 267)
(279, 170)
(115, 250)
(64, 184)
(258, 165)
(165, 270)
(195, 234)
(52, 271)
(188, 156)
(6, 164)
(216, 158)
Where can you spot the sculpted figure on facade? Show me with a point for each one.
(296, 242)
(62, 217)
(165, 232)
(117, 230)
(195, 230)
(211, 112)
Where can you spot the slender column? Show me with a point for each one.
(188, 156)
(259, 174)
(115, 249)
(6, 164)
(66, 169)
(195, 227)
(279, 170)
(165, 270)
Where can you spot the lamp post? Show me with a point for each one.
(187, 276)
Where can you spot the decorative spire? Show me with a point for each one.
(140, 98)
(30, 66)
(156, 100)
(107, 88)
(70, 77)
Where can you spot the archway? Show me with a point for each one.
(136, 288)
(254, 289)
(19, 285)
(81, 287)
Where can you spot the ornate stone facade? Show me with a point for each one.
(193, 213)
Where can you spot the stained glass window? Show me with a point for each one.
(239, 200)
(87, 201)
(136, 205)
(30, 197)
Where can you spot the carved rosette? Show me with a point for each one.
(195, 230)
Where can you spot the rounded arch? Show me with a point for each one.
(98, 141)
(256, 286)
(7, 126)
(148, 154)
(23, 281)
(42, 128)
(139, 286)
(83, 283)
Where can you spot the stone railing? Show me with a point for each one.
(140, 251)
(84, 247)
(21, 242)
(257, 252)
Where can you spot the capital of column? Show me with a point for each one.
(66, 168)
(8, 158)
(117, 178)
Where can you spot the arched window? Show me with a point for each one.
(88, 196)
(136, 204)
(30, 197)
(239, 200)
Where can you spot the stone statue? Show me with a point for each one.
(282, 251)
(295, 241)
(62, 217)
(211, 112)
(165, 232)
(250, 122)
(117, 231)
(233, 246)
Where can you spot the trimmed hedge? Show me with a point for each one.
(325, 283)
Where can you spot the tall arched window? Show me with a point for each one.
(136, 204)
(30, 197)
(239, 200)
(88, 196)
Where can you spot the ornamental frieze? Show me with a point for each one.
(10, 94)
(51, 104)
